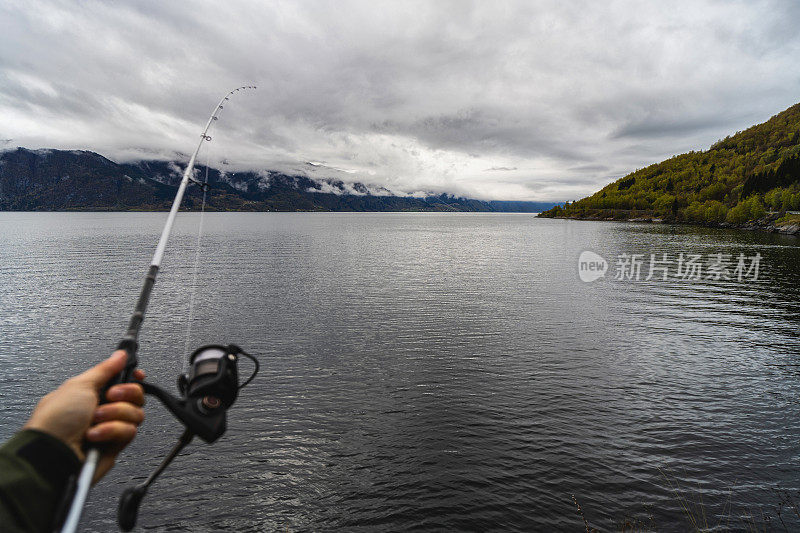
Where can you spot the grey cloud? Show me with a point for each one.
(410, 95)
(659, 127)
(589, 168)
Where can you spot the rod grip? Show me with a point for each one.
(130, 346)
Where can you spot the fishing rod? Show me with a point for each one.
(207, 391)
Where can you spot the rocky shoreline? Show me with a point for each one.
(791, 227)
(770, 224)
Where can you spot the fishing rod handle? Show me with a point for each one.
(81, 491)
(130, 342)
(135, 323)
(84, 483)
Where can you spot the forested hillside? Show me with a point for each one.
(739, 179)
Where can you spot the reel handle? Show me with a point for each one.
(128, 509)
(131, 498)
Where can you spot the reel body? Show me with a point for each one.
(206, 393)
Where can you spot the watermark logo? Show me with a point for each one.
(591, 266)
(662, 267)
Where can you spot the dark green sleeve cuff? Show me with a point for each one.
(35, 469)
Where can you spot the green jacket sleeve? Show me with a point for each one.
(35, 469)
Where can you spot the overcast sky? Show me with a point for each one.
(531, 100)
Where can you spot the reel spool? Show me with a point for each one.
(212, 377)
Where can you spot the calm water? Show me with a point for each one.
(425, 371)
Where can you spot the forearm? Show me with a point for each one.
(34, 472)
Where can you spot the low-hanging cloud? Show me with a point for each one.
(540, 100)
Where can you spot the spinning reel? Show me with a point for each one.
(207, 392)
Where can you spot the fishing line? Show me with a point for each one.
(195, 267)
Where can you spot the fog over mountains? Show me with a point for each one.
(56, 180)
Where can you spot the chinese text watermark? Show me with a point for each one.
(662, 267)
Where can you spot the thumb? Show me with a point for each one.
(102, 372)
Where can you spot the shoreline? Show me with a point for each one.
(767, 225)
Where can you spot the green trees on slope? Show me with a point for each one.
(737, 180)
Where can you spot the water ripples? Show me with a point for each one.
(423, 371)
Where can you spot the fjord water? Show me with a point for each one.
(425, 371)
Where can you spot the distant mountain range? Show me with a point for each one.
(62, 180)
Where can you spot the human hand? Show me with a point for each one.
(72, 413)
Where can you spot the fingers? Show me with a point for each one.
(116, 422)
(126, 392)
(116, 432)
(139, 374)
(115, 435)
(122, 411)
